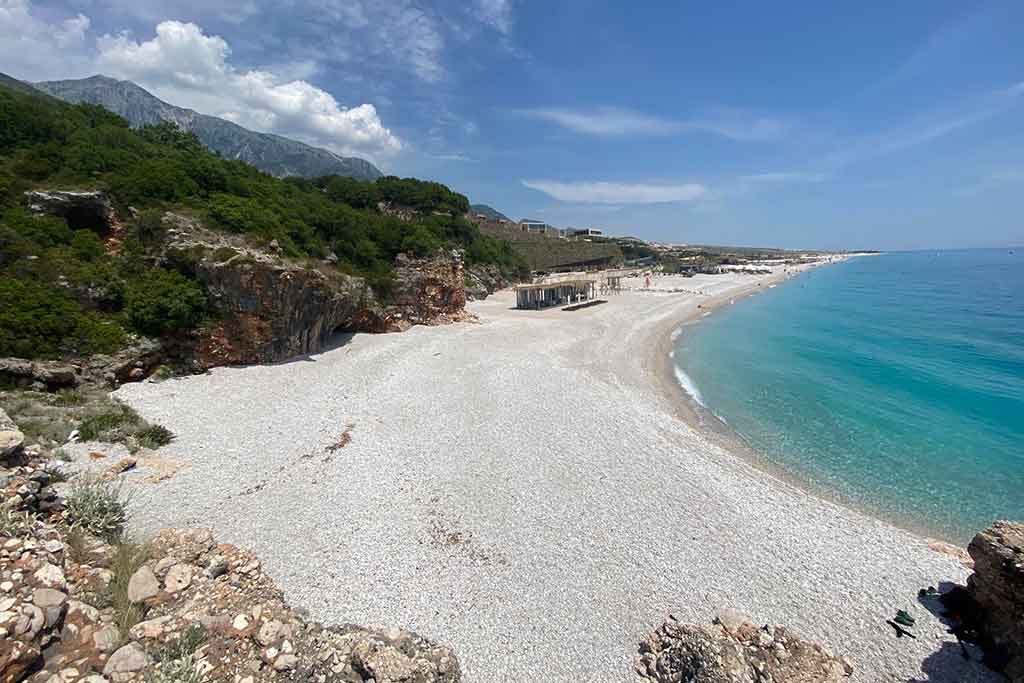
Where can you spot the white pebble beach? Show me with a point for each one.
(525, 490)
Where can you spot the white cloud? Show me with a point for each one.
(786, 177)
(192, 69)
(614, 122)
(453, 157)
(602, 192)
(496, 13)
(36, 49)
(971, 111)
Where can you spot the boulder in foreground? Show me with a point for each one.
(734, 650)
(997, 590)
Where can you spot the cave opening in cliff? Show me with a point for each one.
(89, 216)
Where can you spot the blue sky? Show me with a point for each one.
(797, 124)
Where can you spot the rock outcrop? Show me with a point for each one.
(997, 591)
(734, 650)
(129, 364)
(426, 291)
(209, 614)
(93, 206)
(271, 308)
(484, 280)
(180, 608)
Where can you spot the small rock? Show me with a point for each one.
(107, 638)
(218, 566)
(285, 662)
(731, 619)
(128, 659)
(51, 576)
(240, 623)
(178, 578)
(48, 597)
(143, 585)
(270, 632)
(151, 628)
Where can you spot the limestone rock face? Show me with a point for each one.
(997, 588)
(427, 291)
(271, 308)
(734, 650)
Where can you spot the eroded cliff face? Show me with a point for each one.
(270, 308)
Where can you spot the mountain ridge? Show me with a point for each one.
(489, 211)
(274, 154)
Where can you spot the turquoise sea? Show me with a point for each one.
(895, 382)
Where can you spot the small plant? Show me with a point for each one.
(154, 436)
(69, 397)
(77, 545)
(98, 507)
(61, 454)
(13, 523)
(161, 373)
(127, 559)
(58, 475)
(185, 645)
(181, 670)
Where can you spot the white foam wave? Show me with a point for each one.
(688, 386)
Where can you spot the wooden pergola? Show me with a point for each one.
(543, 295)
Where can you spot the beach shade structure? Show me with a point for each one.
(546, 294)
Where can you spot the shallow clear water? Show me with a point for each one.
(894, 381)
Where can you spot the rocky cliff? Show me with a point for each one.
(270, 308)
(997, 590)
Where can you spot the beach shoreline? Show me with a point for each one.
(702, 419)
(549, 445)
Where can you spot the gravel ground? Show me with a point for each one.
(517, 489)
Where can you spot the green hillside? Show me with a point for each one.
(61, 293)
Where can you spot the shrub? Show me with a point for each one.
(98, 507)
(86, 245)
(163, 301)
(149, 228)
(185, 645)
(107, 426)
(154, 436)
(38, 321)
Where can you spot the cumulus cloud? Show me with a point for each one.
(35, 48)
(733, 124)
(602, 192)
(192, 69)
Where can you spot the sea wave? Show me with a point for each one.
(688, 385)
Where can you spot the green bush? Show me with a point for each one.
(40, 321)
(154, 436)
(107, 426)
(164, 301)
(86, 245)
(98, 507)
